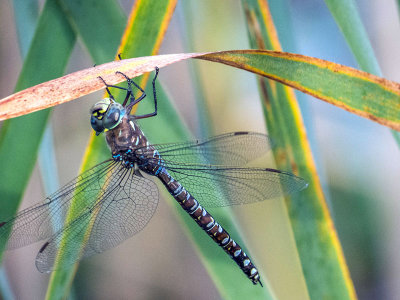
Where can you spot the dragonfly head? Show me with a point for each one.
(105, 115)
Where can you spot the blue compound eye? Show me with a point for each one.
(113, 116)
(97, 114)
(106, 114)
(97, 124)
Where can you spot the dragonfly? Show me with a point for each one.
(116, 199)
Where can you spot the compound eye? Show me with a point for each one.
(97, 124)
(113, 116)
(101, 106)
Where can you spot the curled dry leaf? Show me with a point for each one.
(80, 83)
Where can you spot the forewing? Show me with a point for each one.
(217, 186)
(124, 207)
(40, 221)
(231, 149)
(211, 171)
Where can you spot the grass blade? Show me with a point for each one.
(100, 31)
(361, 93)
(100, 25)
(54, 33)
(150, 17)
(326, 273)
(347, 17)
(26, 14)
(349, 21)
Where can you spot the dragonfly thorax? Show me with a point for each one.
(123, 135)
(129, 145)
(126, 135)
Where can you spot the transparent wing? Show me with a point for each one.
(215, 186)
(40, 221)
(231, 149)
(210, 169)
(124, 207)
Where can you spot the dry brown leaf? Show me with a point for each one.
(80, 83)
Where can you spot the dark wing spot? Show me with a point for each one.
(275, 171)
(241, 133)
(43, 247)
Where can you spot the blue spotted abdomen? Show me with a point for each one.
(209, 225)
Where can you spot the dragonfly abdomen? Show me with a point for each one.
(204, 219)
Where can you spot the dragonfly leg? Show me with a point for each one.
(154, 97)
(129, 91)
(130, 95)
(133, 100)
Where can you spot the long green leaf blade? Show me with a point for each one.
(23, 135)
(151, 18)
(358, 92)
(321, 256)
(26, 14)
(347, 17)
(100, 24)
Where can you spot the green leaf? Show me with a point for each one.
(348, 19)
(145, 30)
(54, 37)
(100, 25)
(322, 260)
(358, 92)
(26, 13)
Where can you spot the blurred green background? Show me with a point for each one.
(357, 160)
